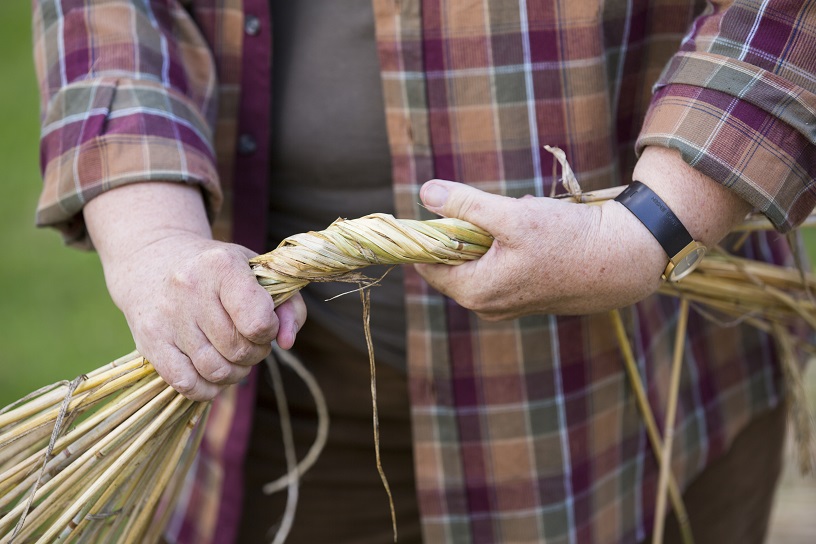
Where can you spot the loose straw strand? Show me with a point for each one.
(801, 419)
(55, 435)
(651, 426)
(365, 297)
(671, 410)
(293, 482)
(323, 420)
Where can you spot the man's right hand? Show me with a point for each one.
(192, 303)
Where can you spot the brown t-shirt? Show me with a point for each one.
(330, 155)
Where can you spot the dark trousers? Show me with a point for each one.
(731, 500)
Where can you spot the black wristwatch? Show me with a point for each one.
(684, 252)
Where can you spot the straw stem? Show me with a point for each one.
(651, 427)
(668, 425)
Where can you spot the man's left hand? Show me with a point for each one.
(549, 256)
(556, 257)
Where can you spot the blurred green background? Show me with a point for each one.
(56, 319)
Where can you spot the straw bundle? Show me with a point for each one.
(88, 461)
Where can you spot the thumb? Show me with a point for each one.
(460, 201)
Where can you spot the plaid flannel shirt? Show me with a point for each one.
(524, 431)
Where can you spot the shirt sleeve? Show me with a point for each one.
(127, 95)
(737, 100)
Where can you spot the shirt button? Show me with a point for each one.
(247, 145)
(252, 25)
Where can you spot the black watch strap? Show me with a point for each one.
(656, 216)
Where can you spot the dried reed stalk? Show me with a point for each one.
(668, 424)
(652, 430)
(72, 474)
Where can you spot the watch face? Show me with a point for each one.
(687, 262)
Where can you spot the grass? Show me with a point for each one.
(56, 319)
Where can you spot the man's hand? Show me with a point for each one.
(554, 257)
(193, 305)
(548, 256)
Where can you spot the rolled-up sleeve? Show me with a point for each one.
(127, 95)
(738, 102)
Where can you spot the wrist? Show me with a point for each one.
(636, 253)
(609, 261)
(683, 251)
(707, 209)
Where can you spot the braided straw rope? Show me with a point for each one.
(349, 245)
(100, 480)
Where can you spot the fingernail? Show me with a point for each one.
(435, 195)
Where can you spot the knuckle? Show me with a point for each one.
(219, 257)
(183, 384)
(176, 376)
(220, 374)
(202, 394)
(208, 366)
(260, 330)
(217, 253)
(184, 277)
(215, 375)
(177, 372)
(241, 353)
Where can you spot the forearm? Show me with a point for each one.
(114, 116)
(550, 256)
(137, 215)
(736, 100)
(707, 209)
(125, 222)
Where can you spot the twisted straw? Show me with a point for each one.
(100, 480)
(349, 245)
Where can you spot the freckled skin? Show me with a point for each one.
(554, 257)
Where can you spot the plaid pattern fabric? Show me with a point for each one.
(148, 90)
(525, 431)
(745, 79)
(124, 98)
